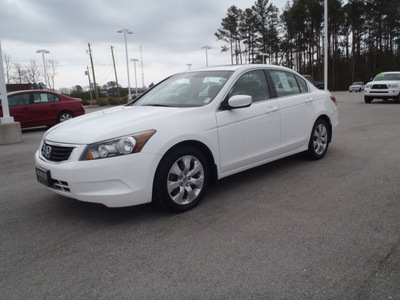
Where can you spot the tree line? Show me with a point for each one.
(363, 37)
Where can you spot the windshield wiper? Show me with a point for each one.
(158, 105)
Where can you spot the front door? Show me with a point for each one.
(251, 135)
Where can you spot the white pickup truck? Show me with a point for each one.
(385, 86)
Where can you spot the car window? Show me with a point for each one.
(16, 100)
(186, 89)
(254, 84)
(44, 97)
(285, 83)
(302, 84)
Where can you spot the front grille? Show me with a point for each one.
(56, 153)
(379, 86)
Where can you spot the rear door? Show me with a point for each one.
(296, 104)
(45, 108)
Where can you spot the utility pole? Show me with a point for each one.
(115, 71)
(94, 77)
(90, 85)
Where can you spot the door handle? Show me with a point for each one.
(271, 109)
(308, 99)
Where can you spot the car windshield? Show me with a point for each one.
(186, 89)
(357, 83)
(391, 76)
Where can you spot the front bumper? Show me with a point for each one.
(386, 93)
(355, 89)
(114, 182)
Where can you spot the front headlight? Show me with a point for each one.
(119, 146)
(368, 86)
(393, 86)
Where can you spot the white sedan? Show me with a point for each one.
(190, 130)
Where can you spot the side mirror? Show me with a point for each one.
(239, 101)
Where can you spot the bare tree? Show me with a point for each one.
(51, 72)
(20, 73)
(32, 72)
(7, 61)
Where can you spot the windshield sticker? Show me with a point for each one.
(284, 82)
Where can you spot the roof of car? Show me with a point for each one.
(391, 72)
(239, 67)
(29, 91)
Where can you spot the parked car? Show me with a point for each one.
(318, 84)
(171, 142)
(357, 86)
(384, 86)
(37, 108)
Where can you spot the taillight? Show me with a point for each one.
(333, 99)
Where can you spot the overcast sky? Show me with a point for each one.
(170, 32)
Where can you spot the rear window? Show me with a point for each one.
(285, 83)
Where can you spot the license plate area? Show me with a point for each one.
(43, 176)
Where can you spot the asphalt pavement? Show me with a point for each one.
(291, 229)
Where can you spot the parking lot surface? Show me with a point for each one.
(291, 229)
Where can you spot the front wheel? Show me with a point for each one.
(319, 140)
(181, 179)
(367, 99)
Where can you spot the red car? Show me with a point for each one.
(37, 108)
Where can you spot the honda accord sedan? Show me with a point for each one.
(188, 131)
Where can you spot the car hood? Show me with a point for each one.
(111, 123)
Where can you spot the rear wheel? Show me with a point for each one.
(181, 179)
(319, 140)
(64, 116)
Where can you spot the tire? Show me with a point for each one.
(397, 99)
(367, 99)
(64, 116)
(181, 179)
(319, 140)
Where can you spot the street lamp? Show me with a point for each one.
(189, 65)
(134, 64)
(206, 47)
(44, 64)
(125, 32)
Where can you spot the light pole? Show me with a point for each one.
(263, 57)
(134, 64)
(44, 64)
(326, 45)
(189, 65)
(206, 48)
(3, 92)
(125, 32)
